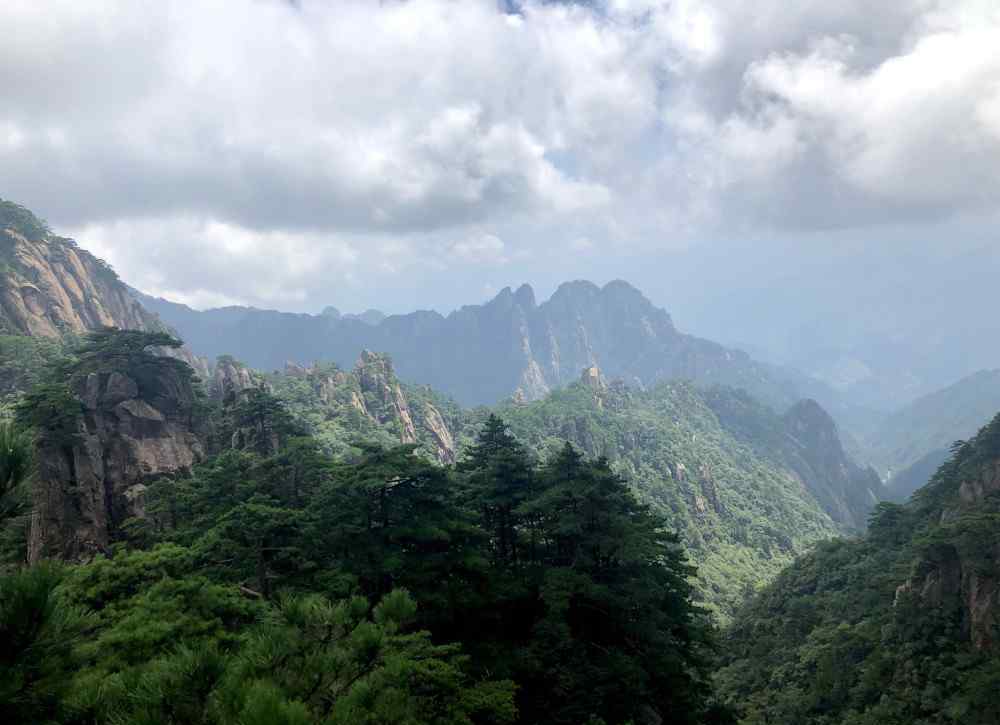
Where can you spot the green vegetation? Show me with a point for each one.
(930, 424)
(16, 217)
(742, 516)
(879, 631)
(23, 360)
(278, 584)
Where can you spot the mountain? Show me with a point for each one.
(806, 441)
(744, 510)
(368, 403)
(481, 354)
(50, 288)
(925, 429)
(901, 626)
(746, 488)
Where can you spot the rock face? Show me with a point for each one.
(806, 443)
(961, 570)
(845, 490)
(371, 390)
(53, 287)
(378, 383)
(50, 287)
(482, 354)
(132, 428)
(230, 378)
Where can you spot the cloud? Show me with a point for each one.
(481, 249)
(364, 138)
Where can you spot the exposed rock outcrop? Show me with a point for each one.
(443, 440)
(231, 378)
(50, 287)
(133, 426)
(592, 378)
(378, 381)
(372, 391)
(845, 490)
(961, 569)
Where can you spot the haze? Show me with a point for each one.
(771, 174)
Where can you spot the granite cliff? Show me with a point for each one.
(120, 417)
(50, 288)
(368, 401)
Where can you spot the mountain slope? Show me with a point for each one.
(806, 441)
(743, 515)
(745, 504)
(481, 354)
(902, 626)
(929, 425)
(50, 288)
(368, 403)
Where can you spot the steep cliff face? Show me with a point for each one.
(368, 402)
(230, 379)
(846, 491)
(50, 287)
(961, 566)
(384, 398)
(901, 625)
(806, 442)
(129, 425)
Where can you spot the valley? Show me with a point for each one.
(578, 450)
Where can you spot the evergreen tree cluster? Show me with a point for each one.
(277, 584)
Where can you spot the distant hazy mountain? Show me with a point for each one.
(920, 434)
(481, 354)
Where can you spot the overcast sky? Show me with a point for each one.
(730, 158)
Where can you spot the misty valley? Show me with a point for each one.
(523, 512)
(499, 362)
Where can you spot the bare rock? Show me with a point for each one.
(90, 483)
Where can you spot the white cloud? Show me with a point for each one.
(388, 130)
(481, 249)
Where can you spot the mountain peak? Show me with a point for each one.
(576, 289)
(525, 296)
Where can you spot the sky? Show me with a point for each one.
(761, 169)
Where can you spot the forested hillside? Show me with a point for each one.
(262, 581)
(333, 544)
(901, 627)
(912, 441)
(746, 489)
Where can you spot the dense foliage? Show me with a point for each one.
(728, 487)
(879, 631)
(742, 515)
(279, 584)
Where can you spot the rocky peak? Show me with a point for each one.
(294, 370)
(846, 490)
(230, 379)
(134, 425)
(378, 381)
(591, 377)
(813, 428)
(50, 287)
(525, 296)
